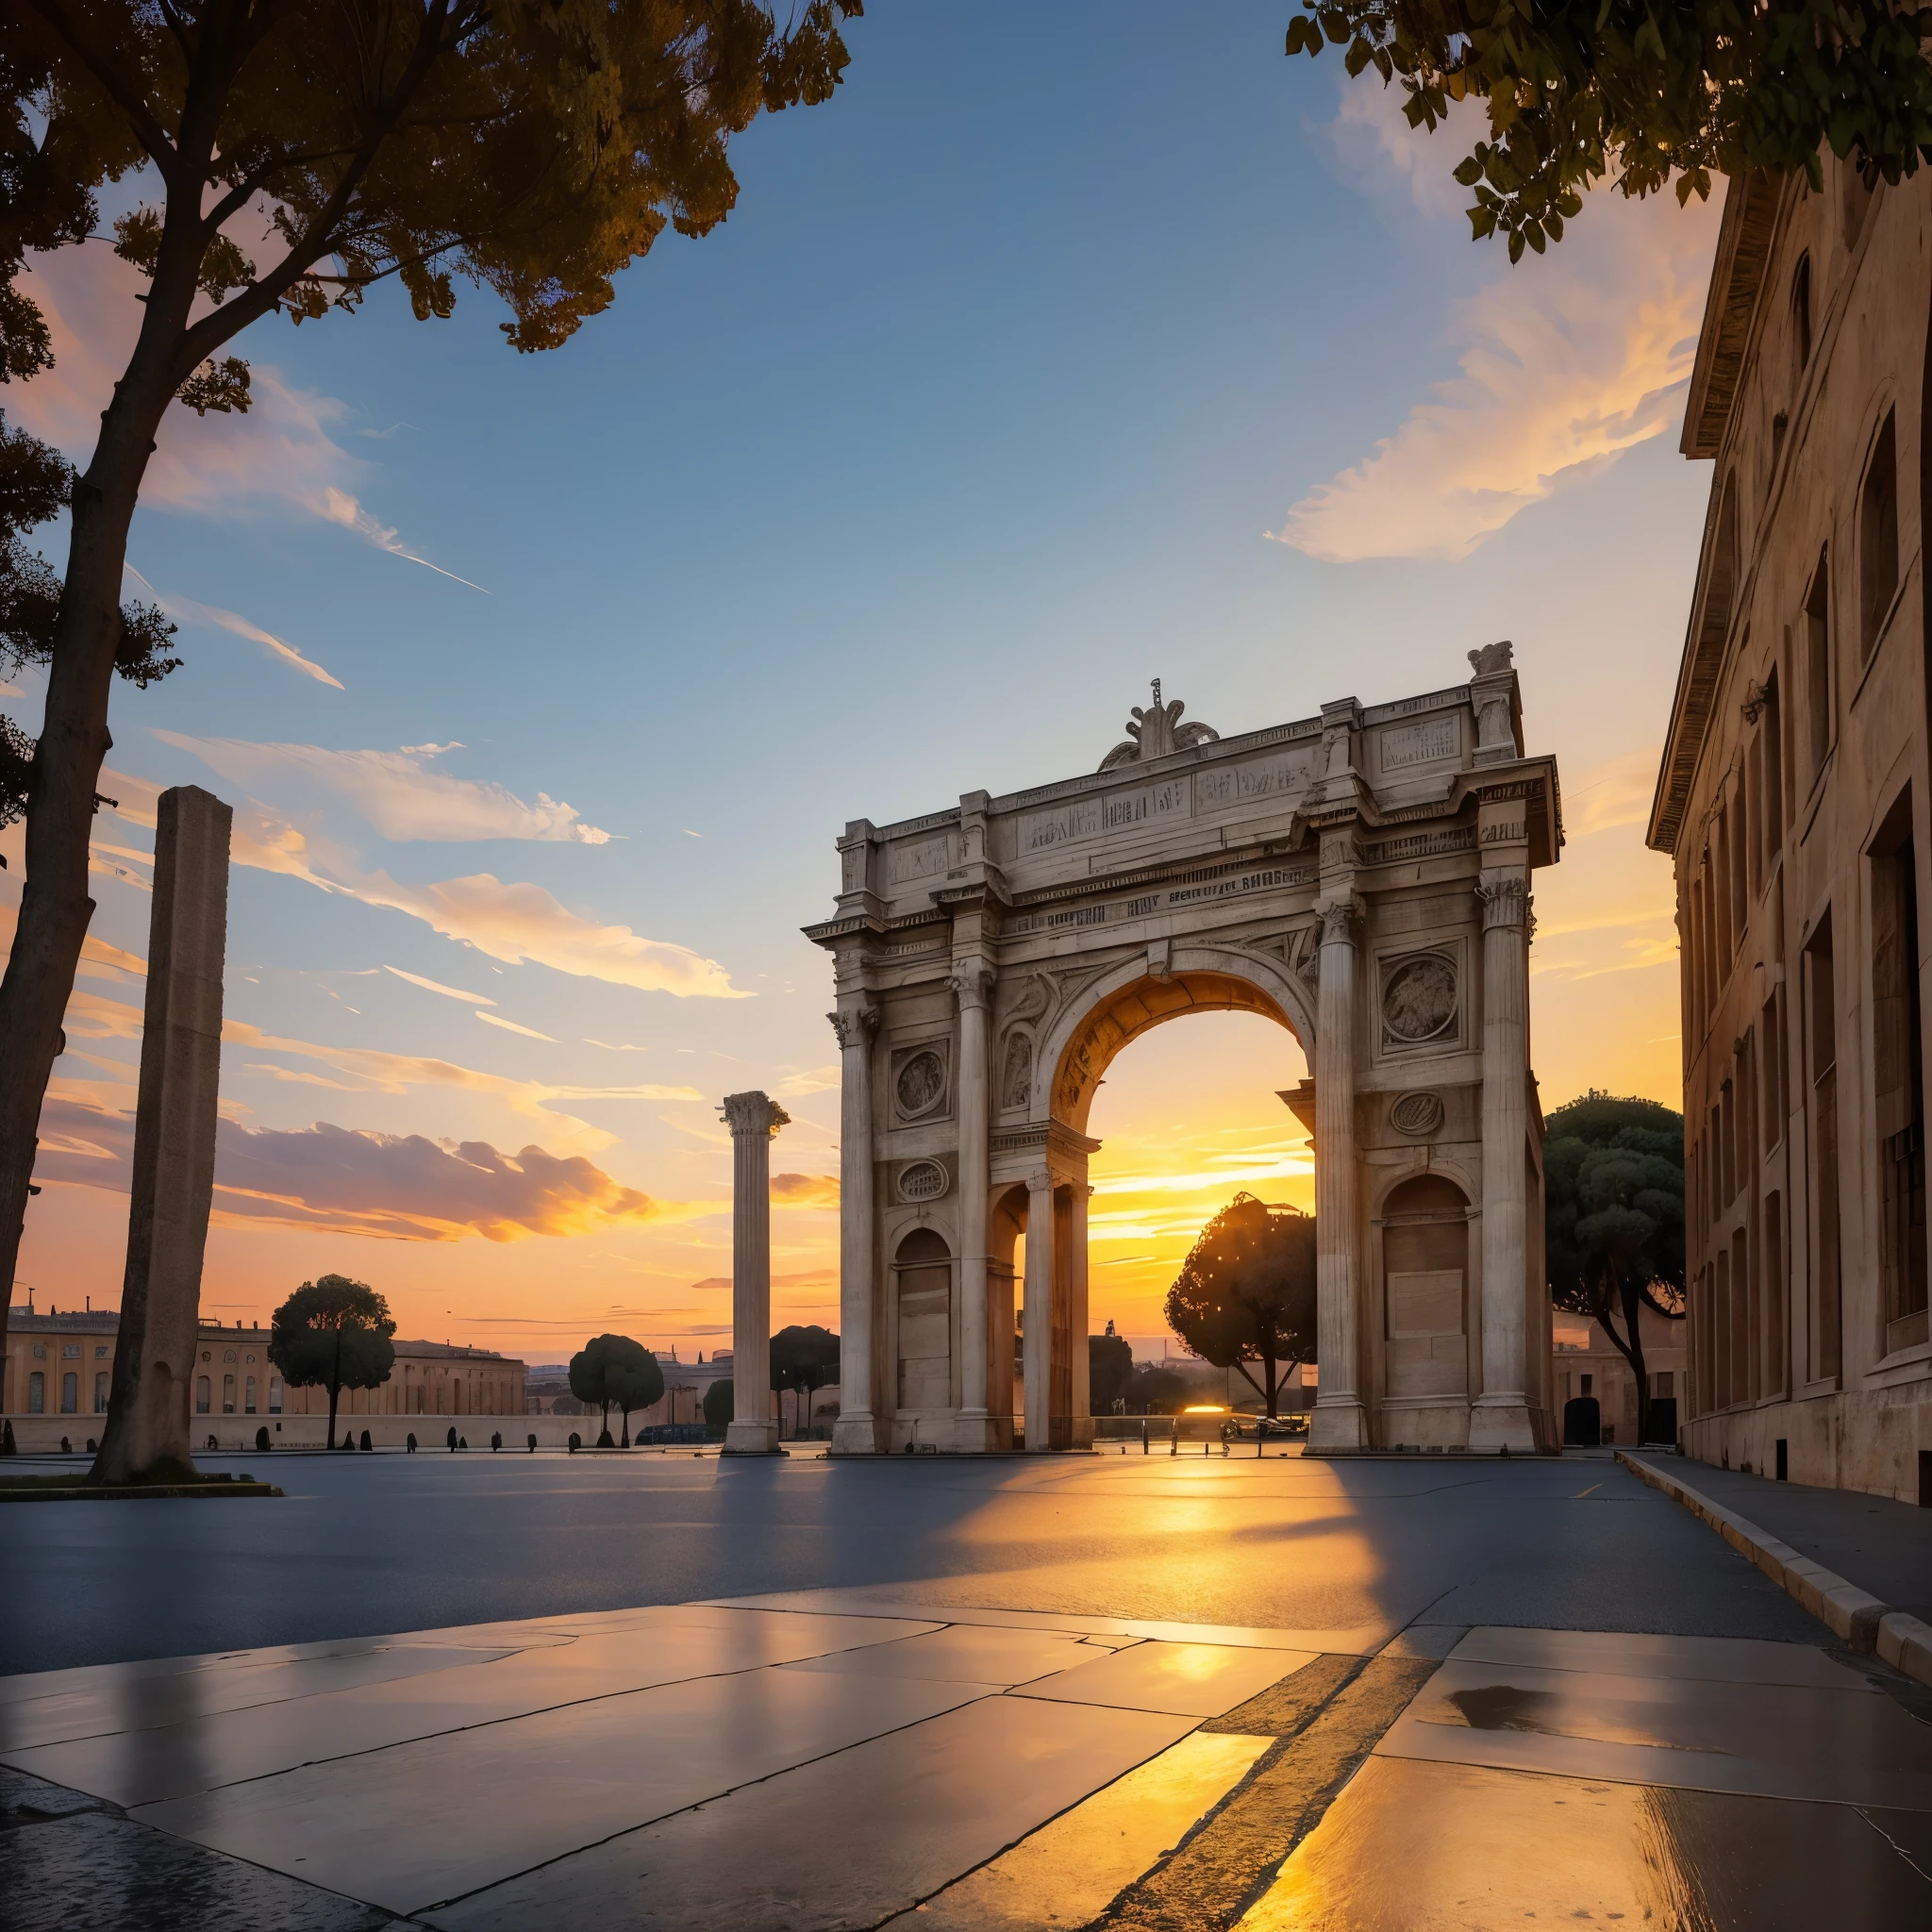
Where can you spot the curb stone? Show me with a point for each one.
(1903, 1641)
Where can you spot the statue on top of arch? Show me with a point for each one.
(1156, 733)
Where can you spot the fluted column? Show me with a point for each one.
(1081, 1322)
(753, 1118)
(1036, 1301)
(1339, 1420)
(972, 984)
(1500, 1416)
(856, 1432)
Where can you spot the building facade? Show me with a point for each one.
(1793, 801)
(62, 1364)
(1361, 877)
(1595, 1367)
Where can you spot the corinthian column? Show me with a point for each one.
(1036, 1301)
(972, 982)
(753, 1118)
(854, 1433)
(1340, 1421)
(1500, 1416)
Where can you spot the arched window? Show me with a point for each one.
(1425, 1274)
(201, 1394)
(1878, 536)
(923, 1266)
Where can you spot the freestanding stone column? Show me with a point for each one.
(1500, 1416)
(1082, 1318)
(754, 1118)
(856, 1432)
(168, 1206)
(971, 982)
(1340, 1421)
(1037, 1297)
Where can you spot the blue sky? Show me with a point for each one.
(975, 416)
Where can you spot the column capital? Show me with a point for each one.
(1341, 921)
(971, 982)
(855, 1026)
(1505, 898)
(755, 1114)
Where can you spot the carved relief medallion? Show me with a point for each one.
(1417, 1114)
(921, 1084)
(1419, 999)
(922, 1180)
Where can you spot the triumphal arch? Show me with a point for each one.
(1361, 877)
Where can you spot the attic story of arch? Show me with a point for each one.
(1363, 878)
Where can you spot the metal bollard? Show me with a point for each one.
(1173, 1441)
(1143, 1439)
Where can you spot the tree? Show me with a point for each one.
(1246, 1291)
(1152, 1390)
(1578, 89)
(1613, 1220)
(804, 1359)
(333, 1333)
(532, 149)
(721, 1405)
(1110, 1368)
(614, 1369)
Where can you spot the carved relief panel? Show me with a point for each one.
(1421, 1001)
(921, 1084)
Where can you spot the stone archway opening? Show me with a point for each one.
(1187, 1117)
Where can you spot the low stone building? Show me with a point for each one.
(62, 1364)
(1793, 801)
(1593, 1368)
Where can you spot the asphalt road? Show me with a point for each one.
(367, 1545)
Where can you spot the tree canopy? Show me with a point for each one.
(1575, 91)
(333, 1333)
(720, 1401)
(1246, 1291)
(613, 1370)
(1613, 1218)
(804, 1357)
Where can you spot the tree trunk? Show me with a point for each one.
(1631, 1350)
(54, 906)
(1273, 1388)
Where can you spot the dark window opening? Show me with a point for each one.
(1878, 537)
(1822, 1044)
(1898, 1083)
(1818, 662)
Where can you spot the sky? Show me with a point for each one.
(1057, 353)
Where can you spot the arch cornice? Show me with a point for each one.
(1080, 1042)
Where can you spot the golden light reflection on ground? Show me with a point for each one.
(1188, 1117)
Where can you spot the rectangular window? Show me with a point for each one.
(1774, 1295)
(275, 1395)
(1771, 755)
(227, 1395)
(1773, 1081)
(1878, 538)
(70, 1393)
(1821, 1047)
(1663, 1385)
(1741, 834)
(100, 1393)
(1720, 1332)
(1898, 1080)
(1726, 928)
(37, 1393)
(248, 1397)
(1817, 665)
(1754, 814)
(201, 1397)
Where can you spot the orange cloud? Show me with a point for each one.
(804, 1191)
(399, 1187)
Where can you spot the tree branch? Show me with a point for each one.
(119, 88)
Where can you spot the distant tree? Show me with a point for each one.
(613, 1369)
(1110, 1368)
(1576, 91)
(1246, 1293)
(720, 1406)
(1155, 1391)
(804, 1359)
(533, 150)
(1613, 1220)
(333, 1333)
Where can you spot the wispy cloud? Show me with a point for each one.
(451, 993)
(511, 1026)
(1565, 362)
(402, 795)
(804, 1191)
(283, 454)
(186, 608)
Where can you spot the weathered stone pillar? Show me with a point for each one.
(1037, 1300)
(1340, 1421)
(754, 1118)
(1500, 1415)
(856, 1432)
(971, 983)
(1081, 1324)
(174, 1140)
